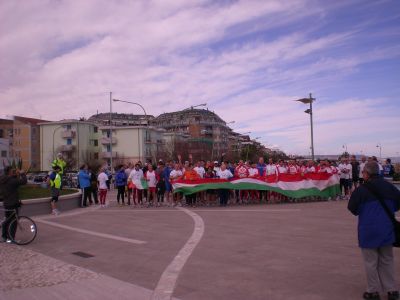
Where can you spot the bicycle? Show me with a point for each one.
(21, 230)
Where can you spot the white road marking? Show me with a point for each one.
(166, 285)
(74, 212)
(94, 233)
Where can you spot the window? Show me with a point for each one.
(3, 153)
(68, 127)
(95, 129)
(108, 148)
(96, 155)
(1, 134)
(96, 143)
(69, 141)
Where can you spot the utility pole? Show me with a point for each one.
(111, 150)
(312, 130)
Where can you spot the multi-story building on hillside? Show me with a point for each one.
(207, 132)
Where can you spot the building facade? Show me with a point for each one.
(4, 153)
(207, 132)
(120, 119)
(130, 144)
(78, 141)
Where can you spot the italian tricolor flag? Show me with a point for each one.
(295, 186)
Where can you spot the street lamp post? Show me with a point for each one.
(145, 115)
(379, 145)
(345, 148)
(309, 111)
(54, 133)
(110, 135)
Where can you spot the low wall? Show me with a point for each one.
(41, 206)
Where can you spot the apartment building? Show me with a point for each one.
(25, 142)
(4, 153)
(130, 144)
(120, 119)
(77, 140)
(207, 132)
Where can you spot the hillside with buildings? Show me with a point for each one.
(120, 138)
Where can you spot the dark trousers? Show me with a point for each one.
(137, 194)
(191, 199)
(94, 195)
(121, 194)
(86, 194)
(6, 223)
(223, 197)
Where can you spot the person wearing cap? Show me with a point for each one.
(376, 231)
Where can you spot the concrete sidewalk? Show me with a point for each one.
(26, 274)
(305, 251)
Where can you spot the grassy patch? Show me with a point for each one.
(35, 191)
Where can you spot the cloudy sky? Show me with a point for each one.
(248, 60)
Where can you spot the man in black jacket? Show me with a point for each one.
(9, 184)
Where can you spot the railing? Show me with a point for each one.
(67, 148)
(68, 134)
(108, 154)
(106, 140)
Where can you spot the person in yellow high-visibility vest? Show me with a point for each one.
(55, 187)
(59, 161)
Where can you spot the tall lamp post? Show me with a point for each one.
(54, 133)
(379, 145)
(309, 111)
(110, 135)
(145, 115)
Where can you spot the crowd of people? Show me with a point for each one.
(152, 185)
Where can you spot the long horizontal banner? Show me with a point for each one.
(295, 186)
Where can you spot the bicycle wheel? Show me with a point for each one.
(22, 230)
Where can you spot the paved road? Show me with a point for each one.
(291, 251)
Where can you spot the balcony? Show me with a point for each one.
(67, 148)
(68, 134)
(108, 154)
(106, 140)
(206, 132)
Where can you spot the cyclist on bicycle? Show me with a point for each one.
(9, 184)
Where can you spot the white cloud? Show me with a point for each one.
(60, 59)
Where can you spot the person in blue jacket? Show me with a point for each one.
(121, 182)
(376, 231)
(168, 187)
(84, 184)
